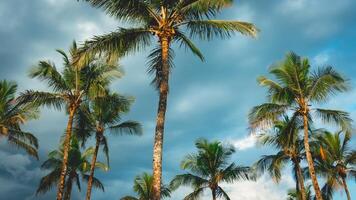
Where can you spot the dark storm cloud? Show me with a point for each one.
(209, 99)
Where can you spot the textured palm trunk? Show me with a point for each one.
(310, 162)
(213, 194)
(300, 181)
(162, 105)
(92, 167)
(346, 189)
(69, 185)
(65, 154)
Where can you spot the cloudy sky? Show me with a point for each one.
(209, 99)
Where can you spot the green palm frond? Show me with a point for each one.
(337, 117)
(96, 182)
(208, 29)
(127, 127)
(46, 71)
(195, 195)
(265, 114)
(185, 41)
(188, 179)
(325, 82)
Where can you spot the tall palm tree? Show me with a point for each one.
(69, 89)
(297, 90)
(104, 113)
(14, 113)
(78, 166)
(210, 167)
(143, 187)
(168, 21)
(336, 161)
(286, 140)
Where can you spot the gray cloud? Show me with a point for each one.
(208, 99)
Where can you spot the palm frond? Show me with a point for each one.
(337, 117)
(185, 41)
(208, 29)
(127, 127)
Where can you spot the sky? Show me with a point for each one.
(208, 99)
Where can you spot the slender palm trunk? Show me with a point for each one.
(65, 154)
(92, 167)
(69, 186)
(318, 195)
(213, 194)
(162, 105)
(300, 181)
(346, 189)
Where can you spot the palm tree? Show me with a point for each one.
(104, 113)
(14, 113)
(69, 89)
(78, 166)
(144, 188)
(296, 90)
(336, 161)
(169, 22)
(290, 149)
(210, 167)
(293, 194)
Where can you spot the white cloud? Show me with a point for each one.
(321, 58)
(246, 142)
(261, 189)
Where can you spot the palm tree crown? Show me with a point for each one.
(335, 162)
(14, 113)
(169, 21)
(78, 166)
(69, 89)
(100, 114)
(297, 90)
(143, 188)
(286, 140)
(210, 167)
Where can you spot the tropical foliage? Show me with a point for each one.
(297, 90)
(100, 114)
(209, 168)
(13, 114)
(144, 189)
(286, 140)
(78, 168)
(335, 161)
(168, 22)
(69, 89)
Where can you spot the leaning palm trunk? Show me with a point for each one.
(72, 111)
(346, 189)
(92, 167)
(300, 181)
(318, 195)
(162, 105)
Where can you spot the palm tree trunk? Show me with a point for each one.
(92, 167)
(69, 185)
(160, 119)
(65, 154)
(300, 181)
(346, 189)
(318, 195)
(213, 194)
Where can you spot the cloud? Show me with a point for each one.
(246, 142)
(264, 187)
(197, 99)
